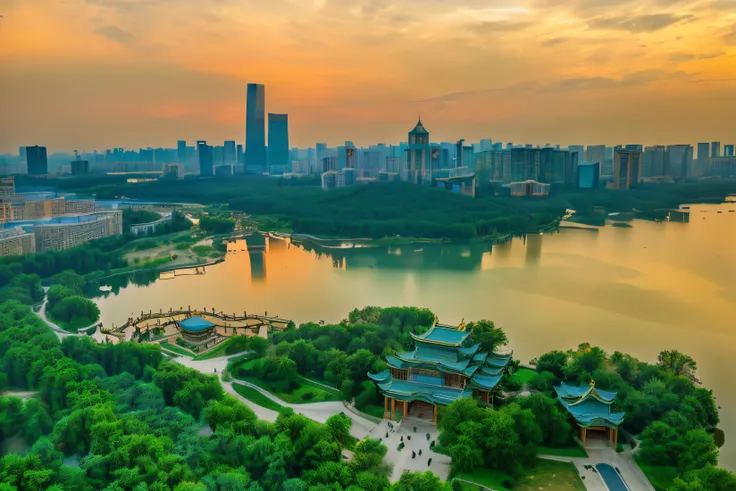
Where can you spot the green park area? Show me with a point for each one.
(284, 383)
(176, 349)
(369, 211)
(257, 397)
(90, 395)
(546, 475)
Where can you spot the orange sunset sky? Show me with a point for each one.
(101, 73)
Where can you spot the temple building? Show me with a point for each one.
(443, 367)
(591, 409)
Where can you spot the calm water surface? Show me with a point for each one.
(639, 290)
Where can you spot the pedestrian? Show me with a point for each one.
(429, 462)
(413, 454)
(402, 438)
(420, 452)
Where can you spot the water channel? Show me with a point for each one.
(638, 290)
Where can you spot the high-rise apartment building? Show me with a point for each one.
(626, 168)
(37, 162)
(653, 161)
(181, 151)
(715, 149)
(255, 131)
(679, 161)
(229, 155)
(206, 159)
(728, 150)
(597, 153)
(279, 161)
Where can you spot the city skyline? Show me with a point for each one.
(149, 73)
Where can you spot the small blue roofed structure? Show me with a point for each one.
(195, 324)
(591, 409)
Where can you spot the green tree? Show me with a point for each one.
(677, 363)
(485, 333)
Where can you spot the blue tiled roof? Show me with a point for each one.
(405, 390)
(485, 382)
(588, 405)
(195, 323)
(443, 335)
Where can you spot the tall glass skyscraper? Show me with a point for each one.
(278, 143)
(206, 159)
(255, 129)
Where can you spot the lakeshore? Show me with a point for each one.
(624, 289)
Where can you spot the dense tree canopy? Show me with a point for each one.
(132, 421)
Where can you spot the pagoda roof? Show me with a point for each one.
(410, 391)
(574, 393)
(446, 336)
(419, 129)
(485, 382)
(195, 324)
(588, 405)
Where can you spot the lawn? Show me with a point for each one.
(661, 477)
(257, 398)
(176, 349)
(550, 475)
(487, 477)
(578, 451)
(203, 250)
(217, 351)
(522, 376)
(372, 410)
(305, 393)
(547, 475)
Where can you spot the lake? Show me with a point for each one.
(638, 290)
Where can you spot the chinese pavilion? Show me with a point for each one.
(196, 329)
(442, 368)
(591, 409)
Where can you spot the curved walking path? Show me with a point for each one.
(58, 330)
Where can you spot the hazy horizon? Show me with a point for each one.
(95, 74)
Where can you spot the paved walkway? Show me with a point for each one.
(600, 453)
(402, 460)
(317, 411)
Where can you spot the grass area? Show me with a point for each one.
(522, 376)
(257, 398)
(372, 410)
(661, 477)
(487, 477)
(563, 452)
(176, 349)
(547, 475)
(203, 250)
(550, 475)
(216, 352)
(307, 392)
(72, 326)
